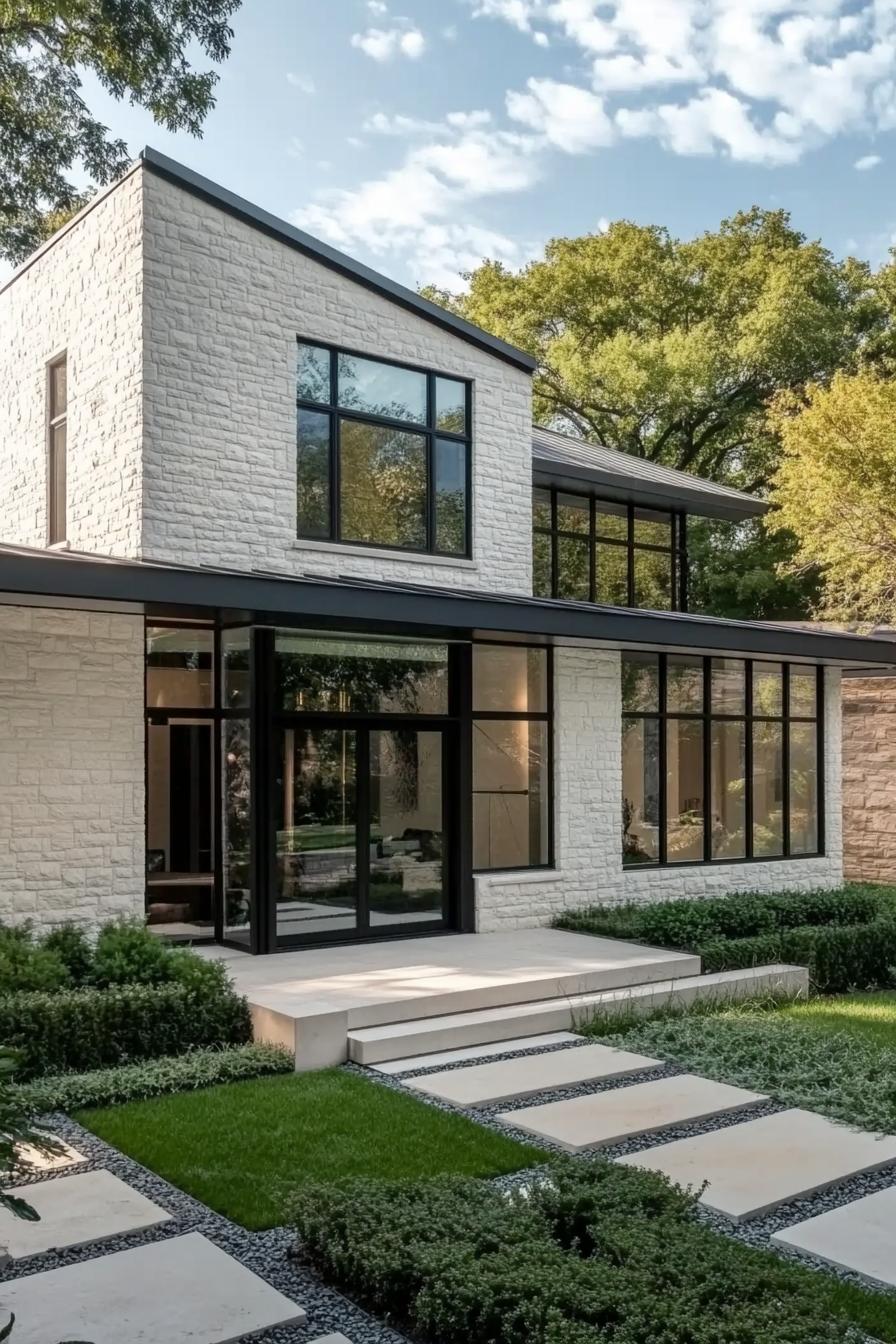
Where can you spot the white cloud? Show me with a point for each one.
(381, 44)
(541, 39)
(713, 120)
(304, 83)
(867, 161)
(381, 123)
(377, 7)
(569, 117)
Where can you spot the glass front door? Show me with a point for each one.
(361, 827)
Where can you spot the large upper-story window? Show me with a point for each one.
(721, 759)
(383, 453)
(595, 550)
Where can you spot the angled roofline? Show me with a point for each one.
(256, 218)
(630, 488)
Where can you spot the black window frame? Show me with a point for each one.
(677, 550)
(707, 716)
(545, 716)
(430, 432)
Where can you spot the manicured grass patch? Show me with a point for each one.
(243, 1149)
(602, 1253)
(870, 1017)
(847, 1075)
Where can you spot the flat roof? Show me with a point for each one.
(67, 578)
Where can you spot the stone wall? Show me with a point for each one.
(225, 304)
(82, 295)
(869, 778)
(588, 811)
(71, 765)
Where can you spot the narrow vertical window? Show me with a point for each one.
(57, 405)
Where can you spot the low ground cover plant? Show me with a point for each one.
(154, 1077)
(846, 937)
(600, 1253)
(306, 1127)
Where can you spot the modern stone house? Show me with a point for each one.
(306, 635)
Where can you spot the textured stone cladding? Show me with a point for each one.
(81, 295)
(224, 306)
(71, 765)
(869, 778)
(588, 815)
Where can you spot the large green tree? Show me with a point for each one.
(50, 142)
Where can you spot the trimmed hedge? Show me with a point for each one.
(840, 957)
(81, 1029)
(155, 1077)
(594, 1253)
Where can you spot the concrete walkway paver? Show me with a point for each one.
(625, 1112)
(33, 1162)
(754, 1167)
(181, 1291)
(474, 1052)
(77, 1210)
(483, 1084)
(860, 1237)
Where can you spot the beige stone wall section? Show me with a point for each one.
(869, 778)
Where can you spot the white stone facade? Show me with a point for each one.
(71, 765)
(588, 812)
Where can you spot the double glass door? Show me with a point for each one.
(362, 834)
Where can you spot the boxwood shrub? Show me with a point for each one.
(78, 1029)
(840, 957)
(595, 1254)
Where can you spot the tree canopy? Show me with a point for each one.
(137, 49)
(835, 491)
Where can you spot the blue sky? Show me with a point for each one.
(422, 135)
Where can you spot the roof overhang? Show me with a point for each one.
(634, 489)
(95, 583)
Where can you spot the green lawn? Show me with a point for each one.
(242, 1148)
(868, 1016)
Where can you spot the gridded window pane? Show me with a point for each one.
(728, 836)
(313, 474)
(728, 686)
(381, 389)
(574, 514)
(541, 508)
(653, 581)
(382, 485)
(768, 689)
(653, 528)
(541, 565)
(451, 405)
(803, 788)
(313, 382)
(315, 673)
(511, 794)
(611, 520)
(768, 789)
(684, 684)
(803, 691)
(640, 791)
(573, 568)
(179, 671)
(640, 682)
(684, 791)
(611, 575)
(450, 490)
(510, 677)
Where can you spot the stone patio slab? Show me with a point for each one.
(482, 1084)
(754, 1167)
(860, 1236)
(625, 1112)
(180, 1291)
(474, 1052)
(35, 1161)
(332, 1339)
(77, 1211)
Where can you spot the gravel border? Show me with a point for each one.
(267, 1254)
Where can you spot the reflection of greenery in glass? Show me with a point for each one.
(359, 676)
(652, 528)
(768, 688)
(451, 405)
(653, 580)
(728, 792)
(640, 803)
(684, 787)
(574, 514)
(684, 684)
(803, 788)
(236, 821)
(235, 675)
(768, 788)
(611, 579)
(313, 474)
(313, 380)
(611, 521)
(573, 568)
(728, 685)
(382, 389)
(640, 681)
(803, 686)
(382, 485)
(450, 495)
(541, 563)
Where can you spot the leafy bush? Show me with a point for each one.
(126, 953)
(838, 1074)
(593, 1254)
(72, 946)
(91, 1028)
(27, 965)
(155, 1077)
(839, 956)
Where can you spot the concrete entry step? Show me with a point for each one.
(77, 1211)
(627, 1112)
(502, 1080)
(181, 1291)
(754, 1167)
(860, 1237)
(475, 1052)
(400, 1040)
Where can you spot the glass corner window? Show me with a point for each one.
(382, 454)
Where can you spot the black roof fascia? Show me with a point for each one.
(331, 257)
(259, 596)
(631, 490)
